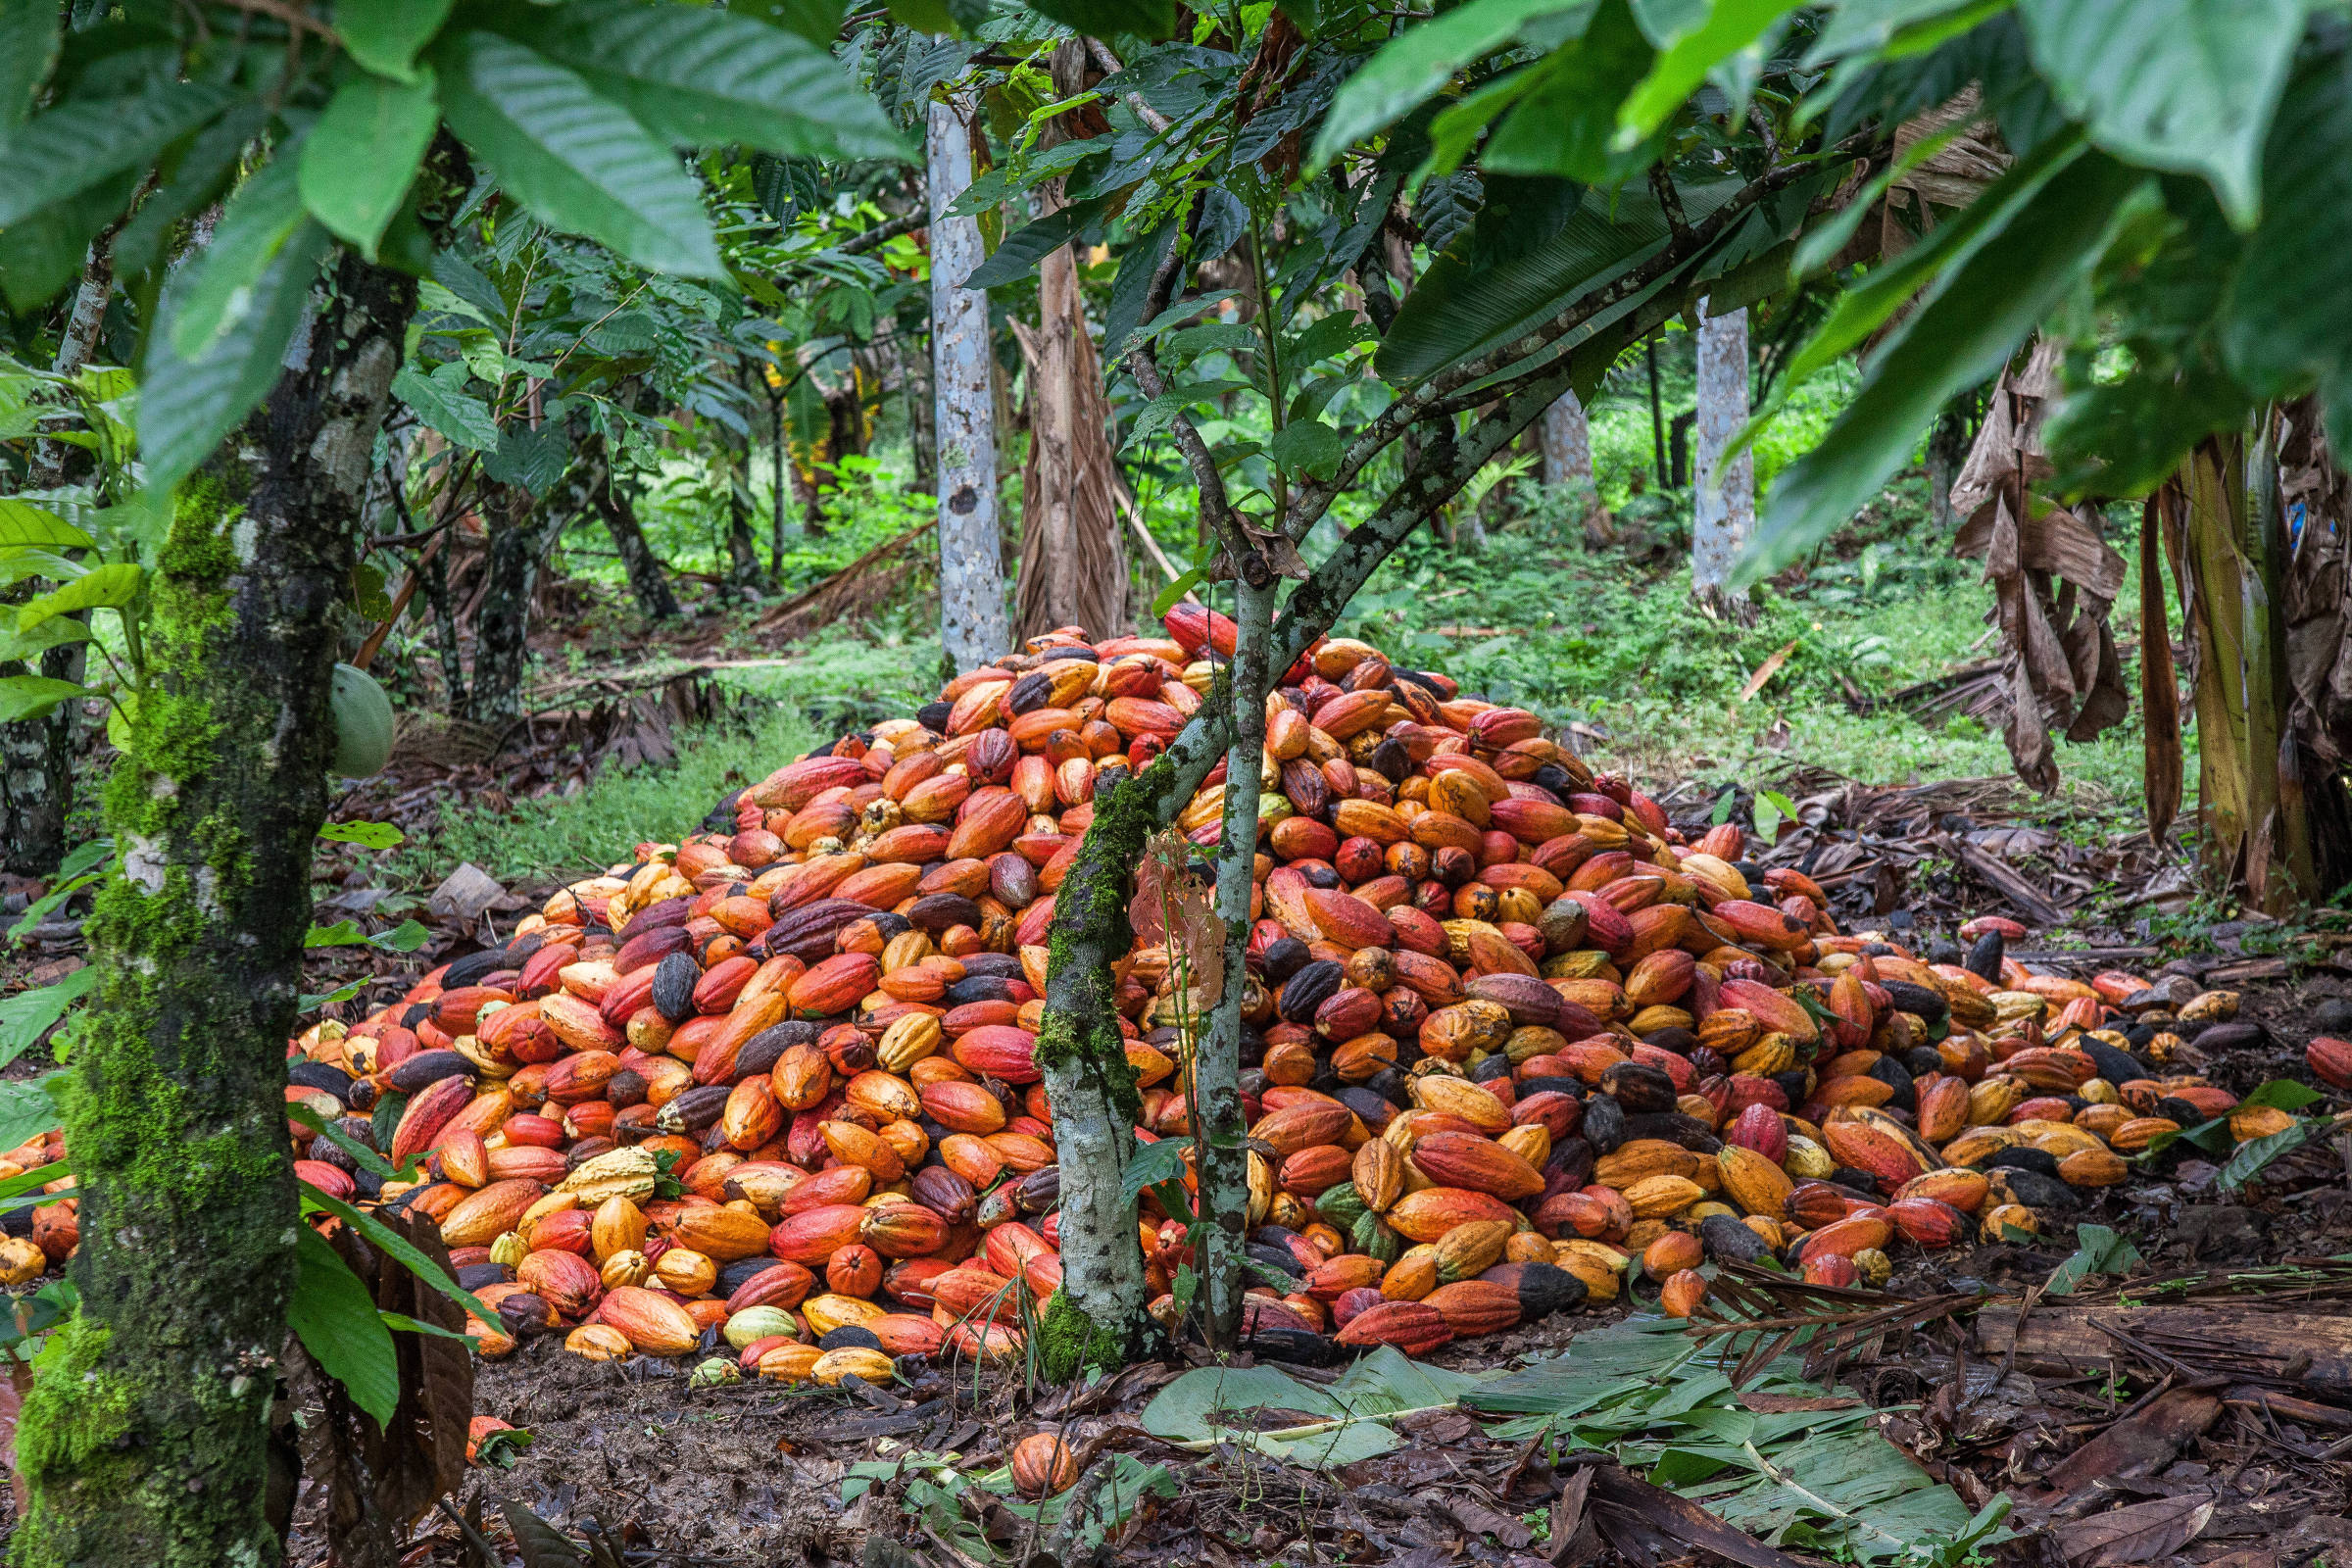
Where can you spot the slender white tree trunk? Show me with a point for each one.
(971, 577)
(1724, 512)
(1567, 443)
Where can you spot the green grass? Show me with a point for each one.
(786, 709)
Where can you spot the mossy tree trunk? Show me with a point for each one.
(1223, 1161)
(1097, 1318)
(519, 547)
(144, 1438)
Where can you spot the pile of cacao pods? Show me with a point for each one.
(1514, 1045)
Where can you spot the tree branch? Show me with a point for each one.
(1423, 400)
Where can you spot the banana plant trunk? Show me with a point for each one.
(144, 1438)
(2256, 829)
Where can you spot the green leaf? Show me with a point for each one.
(1027, 246)
(24, 523)
(2098, 1250)
(42, 253)
(1867, 27)
(1107, 19)
(331, 1312)
(1821, 244)
(384, 36)
(1461, 306)
(1565, 122)
(2282, 1093)
(465, 420)
(2256, 1154)
(2287, 315)
(1176, 590)
(1960, 335)
(369, 835)
(28, 1015)
(1416, 65)
(1731, 27)
(359, 161)
(703, 78)
(818, 20)
(385, 1239)
(575, 159)
(2184, 86)
(26, 1109)
(84, 141)
(23, 697)
(1872, 302)
(108, 587)
(365, 1157)
(187, 404)
(1309, 447)
(42, 908)
(407, 937)
(29, 39)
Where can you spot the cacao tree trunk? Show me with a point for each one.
(520, 547)
(143, 1438)
(37, 755)
(1097, 1318)
(1723, 514)
(971, 580)
(649, 584)
(1567, 443)
(1220, 1149)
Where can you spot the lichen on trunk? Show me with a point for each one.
(144, 1438)
(1222, 1161)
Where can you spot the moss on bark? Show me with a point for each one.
(1068, 1342)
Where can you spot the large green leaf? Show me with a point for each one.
(573, 158)
(1107, 19)
(818, 20)
(26, 1016)
(187, 405)
(1728, 28)
(1565, 122)
(26, 1108)
(1961, 335)
(384, 36)
(86, 140)
(23, 697)
(1461, 306)
(1871, 303)
(359, 161)
(24, 523)
(331, 1312)
(1416, 65)
(108, 587)
(42, 253)
(404, 1251)
(26, 646)
(1865, 27)
(702, 78)
(2287, 317)
(28, 38)
(463, 419)
(2188, 85)
(218, 288)
(192, 175)
(1029, 245)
